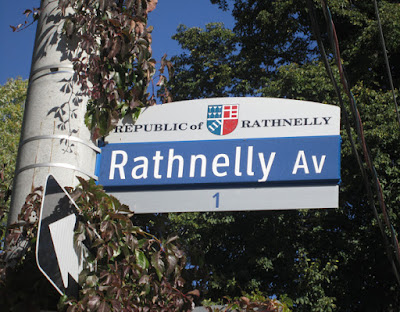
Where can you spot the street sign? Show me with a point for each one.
(56, 256)
(225, 154)
(266, 160)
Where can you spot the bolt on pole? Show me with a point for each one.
(54, 139)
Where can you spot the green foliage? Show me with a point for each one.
(312, 279)
(12, 100)
(276, 33)
(208, 71)
(307, 82)
(250, 302)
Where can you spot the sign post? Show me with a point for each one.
(225, 154)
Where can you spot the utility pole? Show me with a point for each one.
(54, 138)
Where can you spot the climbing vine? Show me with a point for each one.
(114, 61)
(129, 269)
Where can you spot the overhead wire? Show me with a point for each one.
(356, 114)
(360, 132)
(389, 73)
(343, 108)
(360, 128)
(385, 56)
(328, 68)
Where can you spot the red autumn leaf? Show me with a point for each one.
(116, 47)
(93, 302)
(151, 5)
(103, 307)
(132, 26)
(161, 81)
(27, 12)
(195, 292)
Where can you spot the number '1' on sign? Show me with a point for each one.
(216, 196)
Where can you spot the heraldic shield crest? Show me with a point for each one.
(222, 119)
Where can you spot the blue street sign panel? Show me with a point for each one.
(260, 160)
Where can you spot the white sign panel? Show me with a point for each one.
(225, 154)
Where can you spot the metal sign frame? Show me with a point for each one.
(163, 130)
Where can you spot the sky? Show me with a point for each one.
(17, 47)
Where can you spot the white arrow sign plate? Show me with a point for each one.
(56, 255)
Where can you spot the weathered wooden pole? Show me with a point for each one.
(54, 138)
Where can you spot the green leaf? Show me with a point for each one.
(141, 259)
(158, 264)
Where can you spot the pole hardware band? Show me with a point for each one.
(60, 137)
(51, 70)
(57, 165)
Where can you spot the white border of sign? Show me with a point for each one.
(186, 121)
